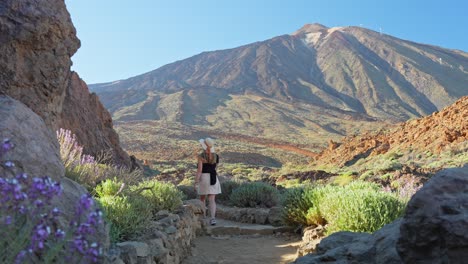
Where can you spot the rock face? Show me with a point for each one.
(36, 45)
(433, 229)
(38, 40)
(435, 226)
(84, 115)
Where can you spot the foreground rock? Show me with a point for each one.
(37, 42)
(435, 226)
(433, 229)
(348, 247)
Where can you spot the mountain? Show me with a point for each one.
(314, 84)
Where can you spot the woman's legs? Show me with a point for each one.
(203, 200)
(211, 199)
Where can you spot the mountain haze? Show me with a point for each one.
(313, 84)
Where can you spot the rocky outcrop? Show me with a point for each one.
(36, 45)
(433, 229)
(86, 117)
(38, 40)
(434, 133)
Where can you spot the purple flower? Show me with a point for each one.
(20, 257)
(86, 201)
(39, 203)
(59, 233)
(6, 145)
(8, 220)
(40, 235)
(80, 244)
(9, 164)
(55, 211)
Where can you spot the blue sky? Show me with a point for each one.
(123, 38)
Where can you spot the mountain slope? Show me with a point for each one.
(314, 84)
(446, 130)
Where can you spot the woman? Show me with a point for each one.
(206, 180)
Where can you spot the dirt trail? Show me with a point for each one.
(244, 249)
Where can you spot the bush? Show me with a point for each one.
(255, 194)
(343, 179)
(161, 196)
(359, 209)
(295, 207)
(109, 187)
(227, 188)
(301, 206)
(128, 215)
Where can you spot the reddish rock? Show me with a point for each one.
(432, 133)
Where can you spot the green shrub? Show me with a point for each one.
(128, 215)
(254, 194)
(295, 207)
(343, 179)
(363, 185)
(359, 209)
(366, 175)
(227, 188)
(109, 187)
(161, 196)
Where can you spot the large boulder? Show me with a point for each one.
(36, 149)
(348, 247)
(435, 226)
(86, 117)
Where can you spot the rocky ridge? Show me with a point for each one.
(434, 133)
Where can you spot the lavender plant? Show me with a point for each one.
(86, 169)
(30, 231)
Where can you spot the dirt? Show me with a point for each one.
(244, 249)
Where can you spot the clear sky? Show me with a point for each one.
(124, 38)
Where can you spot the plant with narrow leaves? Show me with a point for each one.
(255, 194)
(30, 230)
(161, 196)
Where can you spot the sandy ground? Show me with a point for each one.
(242, 249)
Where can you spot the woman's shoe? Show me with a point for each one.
(213, 221)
